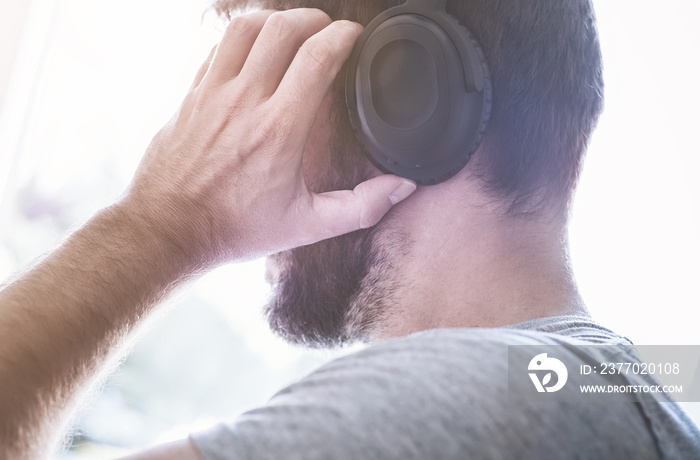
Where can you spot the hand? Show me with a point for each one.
(223, 179)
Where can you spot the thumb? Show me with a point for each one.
(346, 211)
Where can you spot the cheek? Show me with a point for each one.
(316, 165)
(370, 170)
(332, 157)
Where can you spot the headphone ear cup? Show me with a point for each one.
(418, 93)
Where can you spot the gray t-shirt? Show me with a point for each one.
(443, 394)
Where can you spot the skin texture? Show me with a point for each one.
(221, 182)
(245, 169)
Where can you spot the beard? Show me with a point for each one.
(315, 288)
(333, 292)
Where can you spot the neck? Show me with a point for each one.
(465, 265)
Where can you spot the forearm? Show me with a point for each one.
(63, 319)
(222, 182)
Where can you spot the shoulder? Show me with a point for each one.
(437, 394)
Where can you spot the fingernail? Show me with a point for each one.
(401, 192)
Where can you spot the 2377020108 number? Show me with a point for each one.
(640, 368)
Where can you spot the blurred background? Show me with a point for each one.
(84, 86)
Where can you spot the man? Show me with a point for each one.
(244, 169)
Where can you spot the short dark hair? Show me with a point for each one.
(546, 68)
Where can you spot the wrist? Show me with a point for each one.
(153, 232)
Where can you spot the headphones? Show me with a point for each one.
(418, 92)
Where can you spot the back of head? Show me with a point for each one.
(546, 71)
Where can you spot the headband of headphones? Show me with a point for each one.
(418, 92)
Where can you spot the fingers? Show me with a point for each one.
(259, 95)
(203, 69)
(337, 213)
(313, 71)
(299, 49)
(277, 45)
(233, 50)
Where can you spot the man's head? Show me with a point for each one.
(546, 68)
(546, 71)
